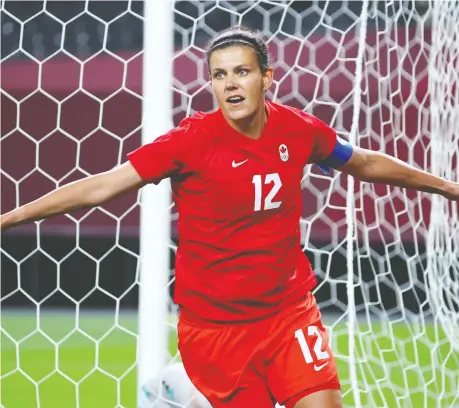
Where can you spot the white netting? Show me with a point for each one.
(443, 247)
(71, 106)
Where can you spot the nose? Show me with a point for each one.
(231, 83)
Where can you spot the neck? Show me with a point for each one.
(252, 126)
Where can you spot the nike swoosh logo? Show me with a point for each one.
(318, 368)
(234, 164)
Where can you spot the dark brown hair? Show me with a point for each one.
(241, 36)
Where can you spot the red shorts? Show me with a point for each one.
(281, 358)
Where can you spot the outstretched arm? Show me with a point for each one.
(375, 167)
(88, 192)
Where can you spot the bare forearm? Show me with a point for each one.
(71, 197)
(389, 170)
(382, 168)
(89, 192)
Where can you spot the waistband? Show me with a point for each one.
(189, 317)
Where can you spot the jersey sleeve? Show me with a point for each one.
(323, 138)
(169, 155)
(328, 150)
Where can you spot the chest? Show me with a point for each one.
(239, 181)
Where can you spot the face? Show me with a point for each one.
(238, 83)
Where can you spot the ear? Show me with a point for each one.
(268, 78)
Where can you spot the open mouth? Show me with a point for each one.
(235, 100)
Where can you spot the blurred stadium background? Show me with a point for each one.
(71, 100)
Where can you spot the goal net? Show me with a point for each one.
(71, 102)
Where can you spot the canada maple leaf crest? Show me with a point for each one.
(283, 151)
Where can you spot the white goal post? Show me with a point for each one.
(155, 219)
(85, 299)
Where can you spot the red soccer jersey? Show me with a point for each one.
(239, 202)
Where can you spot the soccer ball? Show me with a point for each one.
(172, 388)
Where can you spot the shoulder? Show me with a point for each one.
(299, 124)
(290, 115)
(303, 122)
(201, 122)
(196, 128)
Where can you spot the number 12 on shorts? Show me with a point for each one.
(317, 348)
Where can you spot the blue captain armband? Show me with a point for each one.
(340, 155)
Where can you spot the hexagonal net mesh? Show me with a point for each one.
(71, 106)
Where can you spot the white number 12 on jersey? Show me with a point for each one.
(269, 203)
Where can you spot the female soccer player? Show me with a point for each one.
(250, 332)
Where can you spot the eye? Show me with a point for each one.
(218, 75)
(243, 72)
